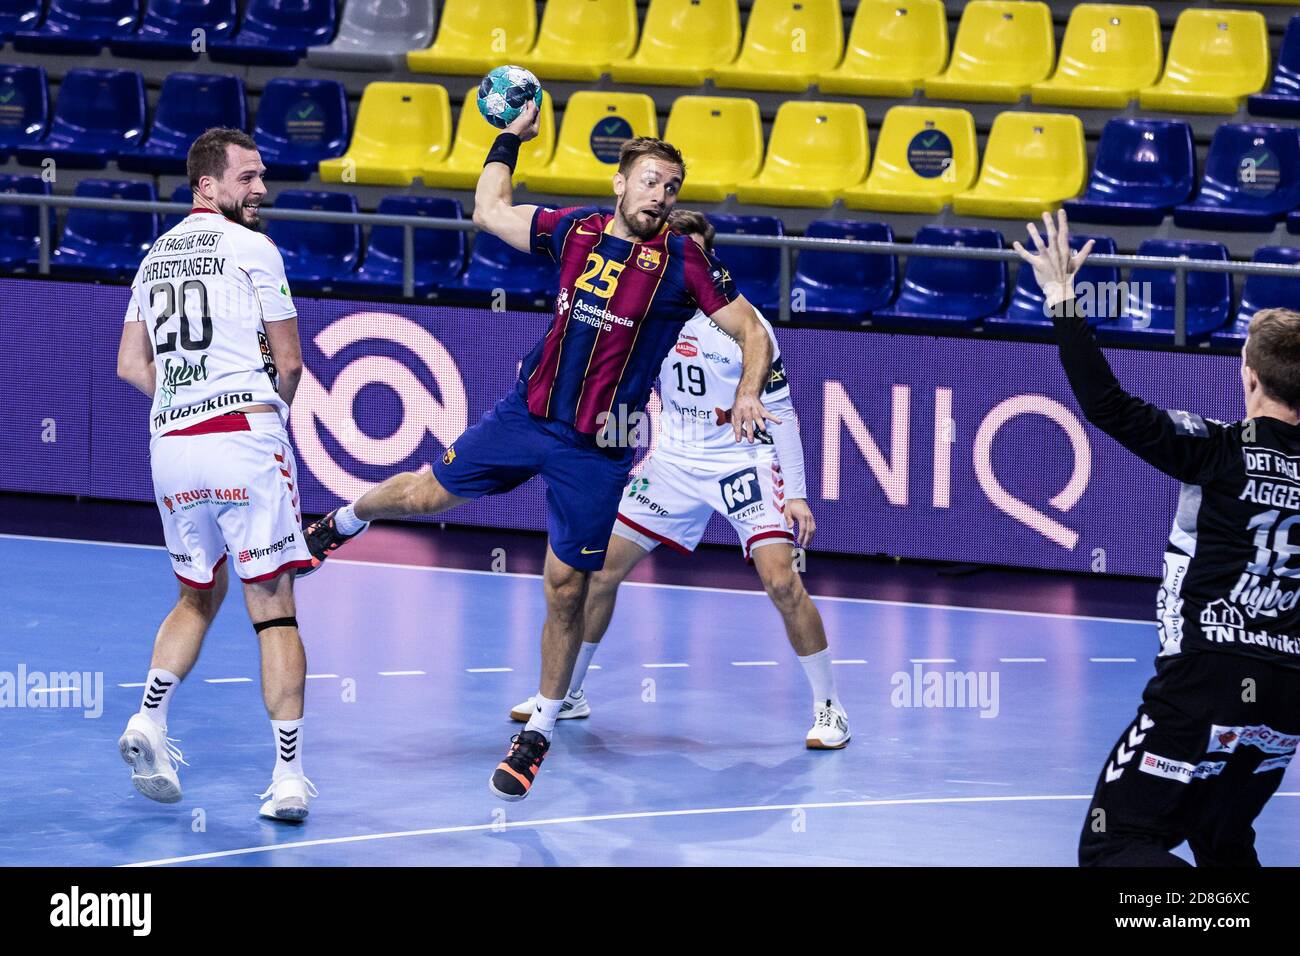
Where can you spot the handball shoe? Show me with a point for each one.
(153, 759)
(514, 776)
(830, 730)
(323, 539)
(575, 706)
(289, 795)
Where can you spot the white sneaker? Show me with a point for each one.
(830, 731)
(153, 758)
(289, 795)
(575, 706)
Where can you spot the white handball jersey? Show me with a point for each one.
(207, 288)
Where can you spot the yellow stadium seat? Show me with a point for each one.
(1109, 53)
(816, 151)
(682, 41)
(580, 38)
(1032, 162)
(788, 43)
(925, 155)
(474, 137)
(476, 35)
(595, 125)
(721, 139)
(400, 128)
(1003, 47)
(1216, 57)
(893, 46)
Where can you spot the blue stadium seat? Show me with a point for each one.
(1252, 179)
(299, 123)
(99, 114)
(103, 244)
(1148, 315)
(949, 293)
(1282, 98)
(181, 194)
(1099, 295)
(756, 270)
(20, 226)
(1143, 169)
(80, 27)
(439, 253)
(493, 265)
(316, 253)
(278, 32)
(167, 32)
(189, 104)
(19, 15)
(24, 108)
(844, 286)
(1262, 292)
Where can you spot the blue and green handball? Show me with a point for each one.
(503, 93)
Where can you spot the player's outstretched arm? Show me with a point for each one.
(494, 208)
(739, 320)
(135, 363)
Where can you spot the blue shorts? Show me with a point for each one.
(584, 482)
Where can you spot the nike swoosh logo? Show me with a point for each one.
(930, 140)
(589, 551)
(586, 232)
(8, 96)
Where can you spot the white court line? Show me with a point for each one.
(401, 673)
(1113, 660)
(61, 689)
(593, 667)
(754, 664)
(488, 670)
(850, 661)
(322, 676)
(645, 584)
(141, 684)
(1022, 660)
(653, 666)
(933, 660)
(227, 680)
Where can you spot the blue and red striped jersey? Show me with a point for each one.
(618, 312)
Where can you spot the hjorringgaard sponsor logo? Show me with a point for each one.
(256, 554)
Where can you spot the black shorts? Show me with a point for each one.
(1209, 746)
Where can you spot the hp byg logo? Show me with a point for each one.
(739, 490)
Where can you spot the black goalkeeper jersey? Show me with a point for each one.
(1232, 565)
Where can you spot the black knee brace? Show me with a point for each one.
(276, 622)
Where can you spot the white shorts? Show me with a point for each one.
(670, 503)
(230, 491)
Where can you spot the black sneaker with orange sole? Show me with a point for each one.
(323, 539)
(514, 776)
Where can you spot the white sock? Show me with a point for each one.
(346, 520)
(817, 667)
(158, 689)
(543, 719)
(585, 653)
(288, 747)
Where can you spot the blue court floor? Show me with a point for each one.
(693, 755)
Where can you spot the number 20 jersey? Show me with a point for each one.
(206, 290)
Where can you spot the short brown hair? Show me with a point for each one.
(1273, 351)
(640, 146)
(207, 157)
(688, 222)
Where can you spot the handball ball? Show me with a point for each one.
(503, 93)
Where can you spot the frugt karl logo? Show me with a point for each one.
(398, 347)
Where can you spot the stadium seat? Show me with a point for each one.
(189, 104)
(721, 139)
(925, 155)
(1215, 58)
(299, 123)
(377, 35)
(278, 32)
(99, 114)
(1032, 161)
(474, 137)
(439, 253)
(525, 279)
(1143, 169)
(578, 39)
(1283, 96)
(1003, 47)
(894, 46)
(24, 108)
(400, 128)
(1109, 53)
(787, 45)
(1262, 292)
(1252, 180)
(756, 270)
(19, 15)
(846, 286)
(1098, 295)
(1148, 314)
(949, 293)
(815, 152)
(476, 35)
(595, 126)
(682, 41)
(315, 253)
(183, 195)
(20, 226)
(167, 32)
(106, 244)
(79, 27)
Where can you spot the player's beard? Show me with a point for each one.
(642, 226)
(238, 212)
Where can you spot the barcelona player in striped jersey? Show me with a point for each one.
(627, 285)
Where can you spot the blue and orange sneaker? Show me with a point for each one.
(323, 539)
(514, 776)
